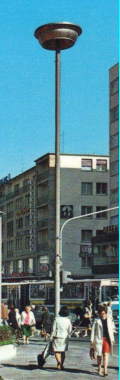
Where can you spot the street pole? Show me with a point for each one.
(57, 181)
(79, 217)
(1, 214)
(57, 36)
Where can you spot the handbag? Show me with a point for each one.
(92, 352)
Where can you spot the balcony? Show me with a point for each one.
(10, 214)
(42, 177)
(42, 248)
(42, 200)
(106, 260)
(42, 224)
(10, 254)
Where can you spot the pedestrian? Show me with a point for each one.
(102, 338)
(87, 318)
(46, 322)
(60, 335)
(18, 317)
(109, 310)
(12, 320)
(27, 320)
(4, 313)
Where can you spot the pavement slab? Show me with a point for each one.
(78, 364)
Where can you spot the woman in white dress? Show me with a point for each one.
(60, 335)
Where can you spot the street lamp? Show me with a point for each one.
(57, 36)
(80, 217)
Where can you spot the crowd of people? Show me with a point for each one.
(59, 330)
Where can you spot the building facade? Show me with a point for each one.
(106, 246)
(28, 200)
(114, 140)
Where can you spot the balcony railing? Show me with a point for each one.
(42, 176)
(42, 223)
(10, 214)
(105, 260)
(42, 247)
(42, 200)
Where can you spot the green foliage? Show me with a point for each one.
(7, 335)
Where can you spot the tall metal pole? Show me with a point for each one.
(57, 181)
(57, 36)
(0, 264)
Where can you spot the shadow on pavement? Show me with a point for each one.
(32, 367)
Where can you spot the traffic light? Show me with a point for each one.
(65, 277)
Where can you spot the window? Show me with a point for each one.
(101, 165)
(102, 215)
(114, 141)
(9, 207)
(25, 265)
(86, 210)
(114, 86)
(114, 220)
(19, 265)
(86, 188)
(86, 164)
(16, 189)
(10, 210)
(10, 229)
(101, 188)
(27, 242)
(99, 232)
(27, 200)
(86, 235)
(114, 114)
(114, 195)
(26, 185)
(19, 223)
(86, 262)
(27, 220)
(9, 246)
(19, 203)
(19, 243)
(114, 168)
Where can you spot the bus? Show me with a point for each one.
(73, 293)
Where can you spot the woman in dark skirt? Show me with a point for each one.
(12, 320)
(27, 320)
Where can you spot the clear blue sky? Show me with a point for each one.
(27, 80)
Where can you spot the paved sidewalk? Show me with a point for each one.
(77, 364)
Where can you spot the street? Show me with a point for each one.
(77, 364)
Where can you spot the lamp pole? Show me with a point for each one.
(1, 214)
(57, 36)
(79, 217)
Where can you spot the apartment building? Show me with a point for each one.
(28, 201)
(114, 140)
(106, 246)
